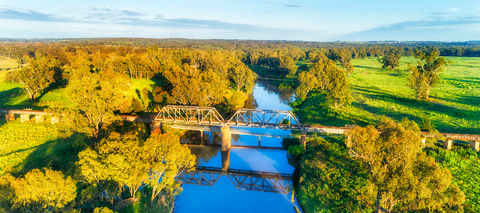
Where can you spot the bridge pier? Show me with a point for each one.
(447, 144)
(24, 117)
(475, 145)
(348, 141)
(303, 140)
(424, 141)
(39, 119)
(201, 137)
(155, 127)
(259, 141)
(9, 117)
(226, 138)
(225, 160)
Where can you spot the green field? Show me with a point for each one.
(454, 105)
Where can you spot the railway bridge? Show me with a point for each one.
(208, 119)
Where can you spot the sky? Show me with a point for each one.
(314, 20)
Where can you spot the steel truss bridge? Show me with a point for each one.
(259, 118)
(242, 179)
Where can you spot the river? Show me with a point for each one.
(226, 194)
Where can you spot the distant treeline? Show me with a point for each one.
(466, 48)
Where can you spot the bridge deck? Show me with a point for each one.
(307, 128)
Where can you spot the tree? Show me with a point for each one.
(167, 159)
(325, 75)
(404, 176)
(390, 60)
(343, 56)
(426, 74)
(123, 161)
(243, 76)
(287, 64)
(37, 75)
(338, 89)
(39, 190)
(97, 96)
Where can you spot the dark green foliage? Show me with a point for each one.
(296, 151)
(463, 163)
(331, 180)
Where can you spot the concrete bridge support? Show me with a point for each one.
(24, 117)
(303, 140)
(348, 141)
(475, 145)
(259, 141)
(39, 119)
(201, 137)
(225, 160)
(226, 138)
(9, 117)
(447, 144)
(155, 127)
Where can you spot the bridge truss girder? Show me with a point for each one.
(242, 179)
(264, 118)
(190, 114)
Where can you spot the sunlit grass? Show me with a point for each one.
(454, 105)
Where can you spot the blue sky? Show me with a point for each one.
(320, 20)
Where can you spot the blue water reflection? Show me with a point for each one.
(224, 196)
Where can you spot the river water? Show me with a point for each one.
(223, 195)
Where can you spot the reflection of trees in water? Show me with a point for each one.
(250, 103)
(205, 153)
(285, 94)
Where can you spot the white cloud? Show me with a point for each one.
(453, 9)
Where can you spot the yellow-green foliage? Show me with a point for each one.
(19, 140)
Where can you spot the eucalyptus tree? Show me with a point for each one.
(405, 177)
(426, 74)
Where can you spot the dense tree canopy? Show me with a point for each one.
(325, 76)
(404, 176)
(123, 162)
(39, 190)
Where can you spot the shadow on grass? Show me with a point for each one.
(60, 154)
(414, 103)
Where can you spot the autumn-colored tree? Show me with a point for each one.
(167, 159)
(390, 60)
(122, 161)
(243, 76)
(37, 75)
(405, 178)
(40, 190)
(426, 74)
(97, 96)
